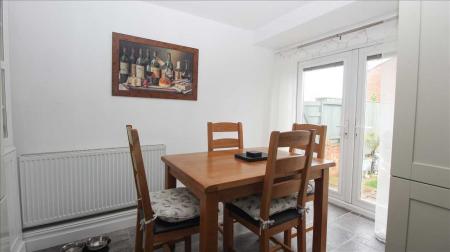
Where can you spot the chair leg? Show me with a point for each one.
(228, 228)
(187, 244)
(288, 238)
(139, 235)
(264, 242)
(301, 236)
(148, 247)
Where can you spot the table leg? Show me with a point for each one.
(208, 222)
(171, 181)
(320, 212)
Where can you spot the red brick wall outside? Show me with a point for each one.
(373, 84)
(332, 152)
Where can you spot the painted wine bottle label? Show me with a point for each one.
(140, 72)
(156, 72)
(133, 70)
(123, 68)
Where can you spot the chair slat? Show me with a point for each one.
(226, 143)
(294, 138)
(287, 166)
(225, 127)
(286, 188)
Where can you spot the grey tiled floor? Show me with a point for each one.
(347, 232)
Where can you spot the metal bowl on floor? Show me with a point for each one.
(97, 242)
(73, 247)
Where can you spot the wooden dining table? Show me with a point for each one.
(218, 176)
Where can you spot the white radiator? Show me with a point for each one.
(67, 185)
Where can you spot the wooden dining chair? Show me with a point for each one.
(319, 151)
(281, 206)
(163, 217)
(224, 143)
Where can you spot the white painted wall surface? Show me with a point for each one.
(61, 78)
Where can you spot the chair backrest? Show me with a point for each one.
(287, 173)
(321, 132)
(224, 143)
(143, 195)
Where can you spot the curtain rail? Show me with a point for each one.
(337, 35)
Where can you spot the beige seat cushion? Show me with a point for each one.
(175, 205)
(252, 204)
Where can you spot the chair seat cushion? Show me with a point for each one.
(161, 226)
(278, 218)
(252, 204)
(175, 205)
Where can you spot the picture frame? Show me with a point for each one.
(145, 68)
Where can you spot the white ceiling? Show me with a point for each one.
(249, 15)
(279, 24)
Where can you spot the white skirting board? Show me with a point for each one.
(66, 186)
(60, 234)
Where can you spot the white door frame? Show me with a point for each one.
(347, 115)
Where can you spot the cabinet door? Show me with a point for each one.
(431, 163)
(429, 218)
(422, 112)
(419, 217)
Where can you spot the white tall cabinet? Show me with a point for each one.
(419, 203)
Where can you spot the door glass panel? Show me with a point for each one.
(378, 124)
(322, 104)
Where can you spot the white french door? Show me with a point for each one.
(347, 92)
(326, 94)
(374, 125)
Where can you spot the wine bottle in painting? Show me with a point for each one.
(132, 63)
(123, 72)
(155, 68)
(178, 71)
(168, 70)
(186, 73)
(148, 68)
(140, 68)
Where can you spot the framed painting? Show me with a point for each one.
(149, 68)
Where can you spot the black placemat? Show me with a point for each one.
(244, 157)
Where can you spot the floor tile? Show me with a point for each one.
(353, 246)
(355, 223)
(335, 212)
(336, 236)
(370, 241)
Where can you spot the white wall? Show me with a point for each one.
(61, 78)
